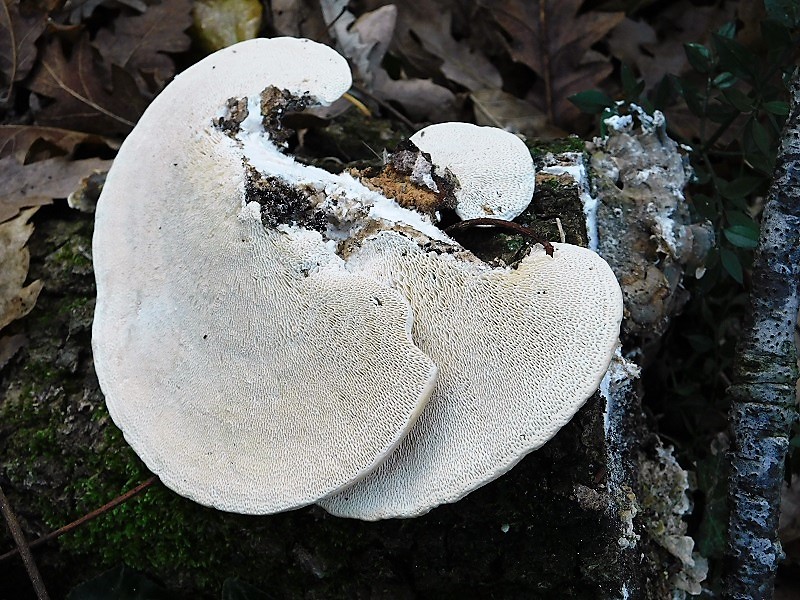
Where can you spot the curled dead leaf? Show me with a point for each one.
(38, 183)
(221, 23)
(16, 299)
(81, 97)
(18, 35)
(139, 43)
(9, 346)
(553, 38)
(497, 108)
(18, 140)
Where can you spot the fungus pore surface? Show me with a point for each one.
(245, 365)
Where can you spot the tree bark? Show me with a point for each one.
(763, 404)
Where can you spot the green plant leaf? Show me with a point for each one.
(785, 12)
(591, 101)
(699, 57)
(692, 97)
(728, 30)
(741, 187)
(741, 236)
(731, 264)
(763, 139)
(631, 87)
(724, 80)
(776, 107)
(737, 217)
(739, 100)
(734, 57)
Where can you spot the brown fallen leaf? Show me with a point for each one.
(17, 140)
(139, 43)
(460, 63)
(364, 41)
(38, 183)
(297, 18)
(16, 299)
(9, 346)
(656, 48)
(221, 23)
(422, 99)
(81, 10)
(18, 35)
(554, 40)
(80, 99)
(496, 108)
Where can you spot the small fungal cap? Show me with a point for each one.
(493, 167)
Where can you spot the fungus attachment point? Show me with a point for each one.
(309, 377)
(509, 225)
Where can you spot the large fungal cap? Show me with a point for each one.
(518, 350)
(493, 167)
(245, 365)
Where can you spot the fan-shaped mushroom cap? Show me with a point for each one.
(518, 350)
(493, 167)
(245, 365)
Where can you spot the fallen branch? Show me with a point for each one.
(763, 404)
(23, 548)
(85, 518)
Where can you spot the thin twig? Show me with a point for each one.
(23, 548)
(561, 230)
(396, 113)
(510, 225)
(87, 517)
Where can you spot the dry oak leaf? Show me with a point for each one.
(83, 97)
(39, 183)
(657, 49)
(551, 38)
(18, 35)
(9, 346)
(138, 43)
(222, 23)
(364, 42)
(81, 10)
(460, 63)
(496, 108)
(298, 18)
(18, 140)
(16, 299)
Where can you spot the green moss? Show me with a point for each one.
(568, 144)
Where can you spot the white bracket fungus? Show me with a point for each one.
(493, 167)
(245, 365)
(267, 333)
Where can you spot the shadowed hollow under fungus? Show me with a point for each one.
(269, 335)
